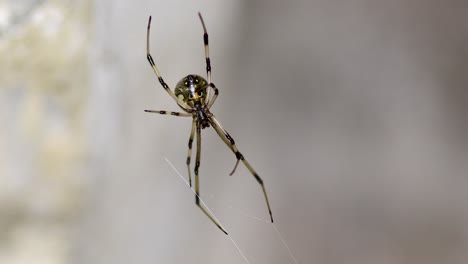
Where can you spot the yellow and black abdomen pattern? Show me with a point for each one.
(191, 89)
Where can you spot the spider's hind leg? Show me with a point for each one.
(210, 100)
(207, 49)
(180, 102)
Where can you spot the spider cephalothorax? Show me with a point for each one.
(191, 94)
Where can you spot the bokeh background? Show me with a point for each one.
(353, 112)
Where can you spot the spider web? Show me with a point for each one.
(243, 255)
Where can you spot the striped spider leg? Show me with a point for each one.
(192, 94)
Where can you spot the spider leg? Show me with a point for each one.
(197, 183)
(189, 152)
(163, 112)
(211, 100)
(180, 102)
(232, 145)
(207, 49)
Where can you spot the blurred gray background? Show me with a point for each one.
(353, 113)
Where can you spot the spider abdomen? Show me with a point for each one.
(191, 89)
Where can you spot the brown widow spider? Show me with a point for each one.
(192, 95)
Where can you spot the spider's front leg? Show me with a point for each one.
(232, 145)
(197, 182)
(189, 152)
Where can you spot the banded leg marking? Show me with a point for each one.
(207, 49)
(156, 71)
(197, 182)
(164, 112)
(211, 100)
(232, 145)
(189, 152)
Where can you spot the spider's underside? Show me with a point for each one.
(192, 94)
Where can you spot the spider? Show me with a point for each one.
(192, 95)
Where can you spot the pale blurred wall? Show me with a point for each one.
(43, 145)
(353, 112)
(364, 104)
